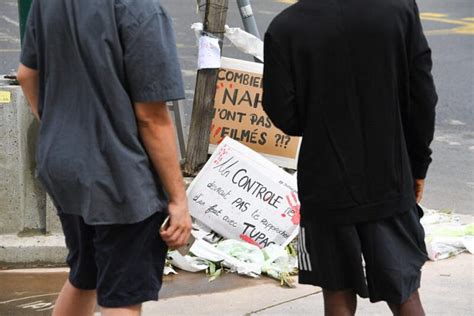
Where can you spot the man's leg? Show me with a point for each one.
(130, 260)
(134, 310)
(73, 301)
(411, 307)
(329, 256)
(339, 303)
(78, 295)
(394, 252)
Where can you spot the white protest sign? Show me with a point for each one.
(242, 195)
(209, 53)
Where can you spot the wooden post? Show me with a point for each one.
(201, 119)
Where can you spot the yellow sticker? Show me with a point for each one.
(5, 97)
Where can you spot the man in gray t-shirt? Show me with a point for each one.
(97, 75)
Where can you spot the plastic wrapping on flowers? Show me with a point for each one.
(446, 236)
(212, 254)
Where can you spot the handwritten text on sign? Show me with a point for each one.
(241, 195)
(239, 113)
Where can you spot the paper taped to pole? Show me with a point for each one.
(209, 53)
(239, 114)
(241, 195)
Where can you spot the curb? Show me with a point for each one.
(32, 251)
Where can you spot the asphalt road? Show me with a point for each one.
(450, 29)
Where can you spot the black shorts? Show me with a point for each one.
(124, 263)
(393, 249)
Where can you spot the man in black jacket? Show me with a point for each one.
(353, 77)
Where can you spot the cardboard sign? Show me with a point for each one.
(241, 195)
(239, 114)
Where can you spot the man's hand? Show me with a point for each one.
(419, 188)
(157, 131)
(177, 233)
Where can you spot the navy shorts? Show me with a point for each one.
(393, 250)
(124, 263)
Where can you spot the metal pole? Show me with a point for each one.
(246, 12)
(23, 10)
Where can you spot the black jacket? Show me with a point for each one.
(353, 77)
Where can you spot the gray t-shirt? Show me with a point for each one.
(95, 58)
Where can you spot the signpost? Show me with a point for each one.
(196, 153)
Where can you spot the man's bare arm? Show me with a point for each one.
(29, 82)
(157, 131)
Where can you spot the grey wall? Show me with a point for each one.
(24, 208)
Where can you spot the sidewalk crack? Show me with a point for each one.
(284, 302)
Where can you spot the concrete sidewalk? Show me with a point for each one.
(447, 289)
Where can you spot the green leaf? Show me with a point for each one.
(212, 268)
(216, 274)
(290, 249)
(287, 280)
